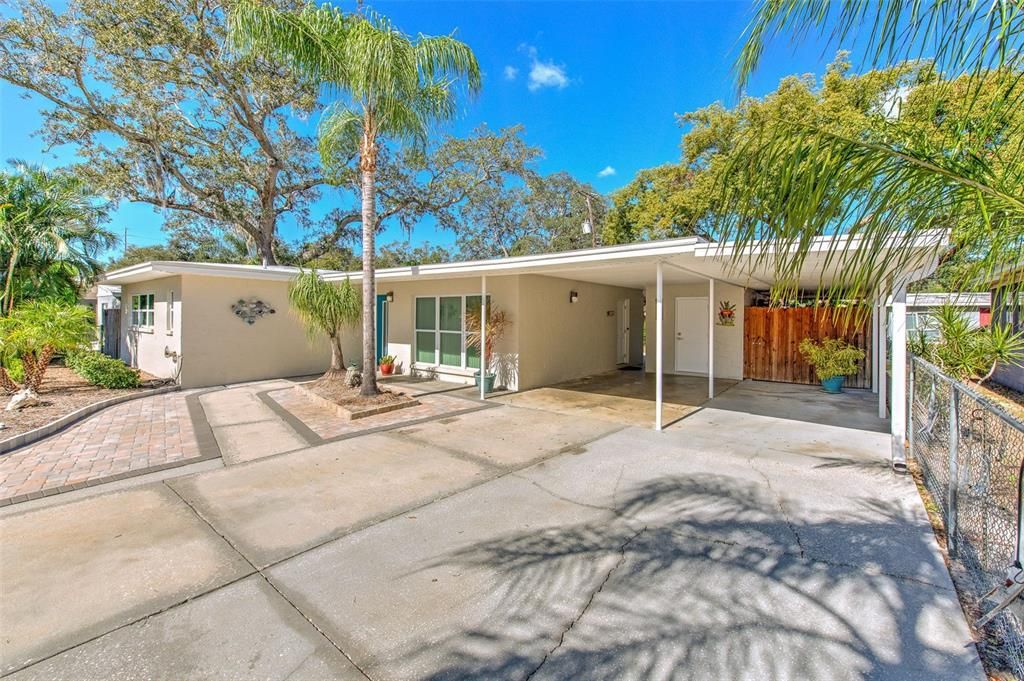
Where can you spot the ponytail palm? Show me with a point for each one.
(390, 86)
(946, 151)
(325, 308)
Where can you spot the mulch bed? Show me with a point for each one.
(355, 405)
(62, 392)
(1010, 400)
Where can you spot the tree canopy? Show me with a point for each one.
(949, 156)
(51, 235)
(159, 114)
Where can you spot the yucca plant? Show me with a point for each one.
(325, 308)
(389, 86)
(971, 353)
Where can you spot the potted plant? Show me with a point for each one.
(833, 360)
(497, 324)
(387, 365)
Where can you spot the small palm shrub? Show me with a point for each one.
(968, 353)
(101, 370)
(831, 357)
(33, 333)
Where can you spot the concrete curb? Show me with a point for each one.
(43, 432)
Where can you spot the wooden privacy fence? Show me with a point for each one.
(771, 342)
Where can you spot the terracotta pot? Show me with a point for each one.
(387, 369)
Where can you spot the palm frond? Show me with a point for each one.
(310, 41)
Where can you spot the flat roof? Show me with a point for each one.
(687, 260)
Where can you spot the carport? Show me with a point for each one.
(690, 337)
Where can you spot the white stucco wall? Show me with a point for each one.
(145, 348)
(728, 339)
(559, 340)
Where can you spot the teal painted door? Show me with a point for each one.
(382, 326)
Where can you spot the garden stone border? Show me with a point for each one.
(51, 428)
(353, 414)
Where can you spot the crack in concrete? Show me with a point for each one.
(590, 601)
(569, 500)
(781, 504)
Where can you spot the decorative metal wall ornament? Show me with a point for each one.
(726, 313)
(251, 310)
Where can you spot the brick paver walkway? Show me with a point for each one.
(328, 425)
(127, 438)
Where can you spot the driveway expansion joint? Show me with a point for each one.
(266, 578)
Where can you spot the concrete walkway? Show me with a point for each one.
(508, 543)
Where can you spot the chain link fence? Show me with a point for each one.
(970, 451)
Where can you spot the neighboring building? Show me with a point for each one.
(98, 298)
(1008, 309)
(974, 307)
(573, 314)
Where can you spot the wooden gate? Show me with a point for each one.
(771, 340)
(110, 340)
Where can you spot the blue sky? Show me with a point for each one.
(596, 84)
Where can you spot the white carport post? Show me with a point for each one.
(659, 340)
(711, 338)
(899, 377)
(874, 344)
(483, 337)
(883, 342)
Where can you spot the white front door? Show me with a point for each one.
(692, 335)
(624, 332)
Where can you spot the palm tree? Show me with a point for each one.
(325, 308)
(33, 333)
(896, 184)
(390, 86)
(50, 237)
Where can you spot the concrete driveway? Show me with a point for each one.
(507, 543)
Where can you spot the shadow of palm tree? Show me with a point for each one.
(700, 578)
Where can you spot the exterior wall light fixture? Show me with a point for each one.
(573, 296)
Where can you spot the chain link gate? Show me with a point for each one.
(970, 453)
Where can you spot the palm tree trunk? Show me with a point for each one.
(368, 167)
(8, 301)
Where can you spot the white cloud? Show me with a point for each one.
(511, 73)
(544, 73)
(607, 171)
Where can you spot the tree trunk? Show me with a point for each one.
(336, 372)
(368, 167)
(7, 383)
(266, 242)
(39, 371)
(8, 302)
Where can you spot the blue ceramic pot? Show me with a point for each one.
(833, 385)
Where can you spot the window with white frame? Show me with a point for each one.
(143, 310)
(170, 312)
(440, 331)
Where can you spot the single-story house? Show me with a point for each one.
(976, 308)
(1008, 310)
(673, 306)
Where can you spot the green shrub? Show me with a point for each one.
(101, 370)
(832, 357)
